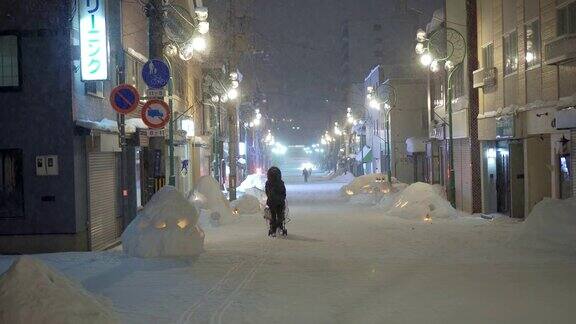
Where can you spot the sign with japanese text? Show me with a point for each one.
(505, 126)
(93, 40)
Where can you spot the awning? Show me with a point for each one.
(365, 156)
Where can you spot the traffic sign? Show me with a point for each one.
(155, 113)
(156, 74)
(124, 99)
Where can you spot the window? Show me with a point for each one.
(532, 41)
(458, 83)
(94, 88)
(9, 62)
(11, 184)
(133, 67)
(488, 56)
(178, 83)
(511, 53)
(566, 19)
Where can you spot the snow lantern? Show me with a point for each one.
(166, 227)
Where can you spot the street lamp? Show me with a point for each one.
(444, 46)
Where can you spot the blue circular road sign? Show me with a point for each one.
(156, 74)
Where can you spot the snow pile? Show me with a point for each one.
(215, 202)
(419, 201)
(551, 224)
(253, 181)
(198, 200)
(378, 193)
(260, 194)
(32, 292)
(347, 178)
(366, 184)
(247, 205)
(166, 227)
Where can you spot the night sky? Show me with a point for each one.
(295, 59)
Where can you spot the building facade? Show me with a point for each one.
(527, 85)
(401, 116)
(67, 182)
(365, 43)
(455, 17)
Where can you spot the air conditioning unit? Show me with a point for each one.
(478, 78)
(560, 50)
(566, 118)
(490, 77)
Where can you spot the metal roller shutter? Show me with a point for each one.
(458, 172)
(573, 162)
(102, 177)
(466, 182)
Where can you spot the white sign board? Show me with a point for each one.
(93, 40)
(155, 93)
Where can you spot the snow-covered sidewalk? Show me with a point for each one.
(341, 263)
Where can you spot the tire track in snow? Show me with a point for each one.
(229, 300)
(186, 317)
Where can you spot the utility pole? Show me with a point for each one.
(156, 150)
(234, 53)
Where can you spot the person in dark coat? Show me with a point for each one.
(276, 193)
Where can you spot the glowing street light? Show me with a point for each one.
(199, 43)
(233, 94)
(426, 59)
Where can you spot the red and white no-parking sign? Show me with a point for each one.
(155, 113)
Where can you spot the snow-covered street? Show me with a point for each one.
(341, 263)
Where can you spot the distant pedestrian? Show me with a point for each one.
(305, 174)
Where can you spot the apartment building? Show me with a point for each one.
(527, 90)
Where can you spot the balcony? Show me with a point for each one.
(560, 50)
(484, 78)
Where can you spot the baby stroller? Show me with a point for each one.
(281, 228)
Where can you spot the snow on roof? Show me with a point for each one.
(105, 125)
(132, 124)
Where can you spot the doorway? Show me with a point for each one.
(503, 177)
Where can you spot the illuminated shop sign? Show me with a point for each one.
(93, 40)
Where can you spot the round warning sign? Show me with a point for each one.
(124, 99)
(155, 113)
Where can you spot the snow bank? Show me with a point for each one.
(247, 205)
(365, 184)
(419, 201)
(260, 194)
(253, 181)
(198, 200)
(166, 227)
(216, 202)
(32, 292)
(551, 224)
(347, 178)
